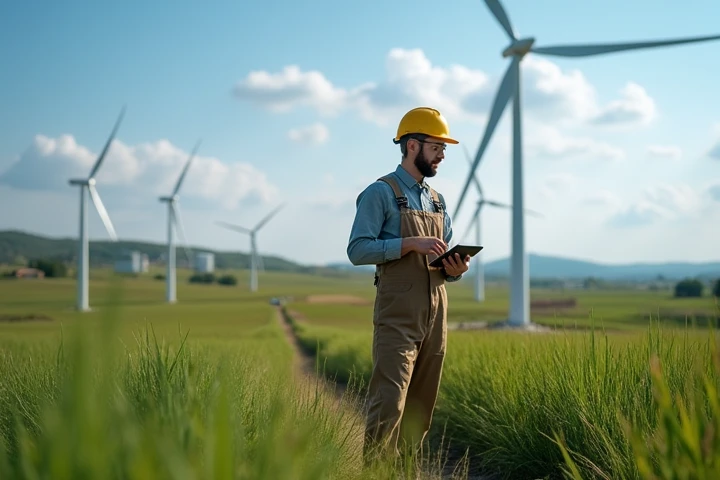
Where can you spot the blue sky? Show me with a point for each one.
(297, 103)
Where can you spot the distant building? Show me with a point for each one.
(133, 262)
(204, 262)
(29, 273)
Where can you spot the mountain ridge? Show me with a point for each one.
(17, 247)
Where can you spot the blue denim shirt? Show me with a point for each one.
(375, 234)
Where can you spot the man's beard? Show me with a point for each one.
(423, 165)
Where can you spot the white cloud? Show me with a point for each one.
(412, 79)
(550, 142)
(678, 199)
(556, 183)
(315, 134)
(639, 214)
(660, 202)
(635, 106)
(603, 198)
(664, 151)
(714, 151)
(291, 88)
(460, 92)
(550, 90)
(153, 167)
(713, 192)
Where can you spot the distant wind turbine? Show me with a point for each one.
(175, 222)
(475, 219)
(519, 315)
(255, 258)
(83, 275)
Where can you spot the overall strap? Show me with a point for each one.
(436, 200)
(401, 199)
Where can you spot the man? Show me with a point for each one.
(401, 225)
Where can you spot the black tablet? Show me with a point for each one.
(463, 250)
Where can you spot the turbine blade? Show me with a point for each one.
(267, 218)
(505, 92)
(100, 159)
(507, 205)
(231, 226)
(498, 204)
(180, 229)
(473, 219)
(499, 12)
(95, 196)
(185, 170)
(533, 213)
(474, 178)
(587, 50)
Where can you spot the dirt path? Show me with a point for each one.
(304, 364)
(305, 368)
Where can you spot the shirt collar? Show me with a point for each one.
(408, 179)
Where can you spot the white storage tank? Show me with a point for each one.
(132, 262)
(205, 262)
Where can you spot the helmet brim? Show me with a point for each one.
(450, 140)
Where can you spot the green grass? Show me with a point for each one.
(506, 395)
(210, 311)
(613, 309)
(510, 396)
(83, 402)
(205, 388)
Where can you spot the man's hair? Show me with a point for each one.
(404, 139)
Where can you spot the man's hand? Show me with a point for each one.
(424, 245)
(454, 266)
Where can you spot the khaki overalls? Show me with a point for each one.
(410, 328)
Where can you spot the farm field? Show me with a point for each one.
(230, 405)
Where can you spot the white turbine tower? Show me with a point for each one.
(475, 220)
(83, 276)
(255, 259)
(519, 315)
(175, 222)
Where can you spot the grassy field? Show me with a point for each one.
(205, 388)
(140, 389)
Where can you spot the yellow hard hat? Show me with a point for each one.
(427, 121)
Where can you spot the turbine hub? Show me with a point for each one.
(169, 199)
(79, 181)
(519, 48)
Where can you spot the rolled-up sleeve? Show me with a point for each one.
(365, 247)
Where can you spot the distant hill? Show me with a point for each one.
(18, 247)
(548, 267)
(542, 266)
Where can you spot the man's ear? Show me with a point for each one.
(413, 146)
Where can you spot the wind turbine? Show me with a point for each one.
(255, 259)
(83, 242)
(475, 219)
(175, 222)
(519, 315)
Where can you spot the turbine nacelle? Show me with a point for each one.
(170, 199)
(85, 182)
(519, 48)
